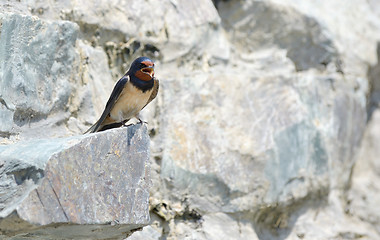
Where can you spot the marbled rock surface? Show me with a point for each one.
(257, 128)
(89, 186)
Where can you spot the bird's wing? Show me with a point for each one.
(156, 85)
(111, 102)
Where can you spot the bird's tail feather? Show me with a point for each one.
(95, 128)
(91, 129)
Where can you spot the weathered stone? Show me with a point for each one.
(202, 155)
(37, 70)
(97, 86)
(354, 34)
(363, 197)
(243, 139)
(318, 221)
(261, 109)
(147, 233)
(85, 186)
(175, 27)
(258, 25)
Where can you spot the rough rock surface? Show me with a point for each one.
(93, 186)
(35, 82)
(363, 196)
(261, 111)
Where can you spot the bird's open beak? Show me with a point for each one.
(148, 70)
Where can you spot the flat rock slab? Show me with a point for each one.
(88, 186)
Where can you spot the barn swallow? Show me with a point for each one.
(131, 94)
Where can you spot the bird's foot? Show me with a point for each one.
(141, 121)
(126, 125)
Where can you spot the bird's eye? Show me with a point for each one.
(142, 65)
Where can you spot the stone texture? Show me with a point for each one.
(88, 186)
(353, 27)
(38, 61)
(363, 196)
(260, 115)
(259, 25)
(147, 22)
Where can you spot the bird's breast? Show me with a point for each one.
(130, 102)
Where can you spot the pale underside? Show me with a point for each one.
(129, 104)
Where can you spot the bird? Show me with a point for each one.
(136, 89)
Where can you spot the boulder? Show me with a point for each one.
(94, 185)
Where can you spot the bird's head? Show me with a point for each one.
(142, 68)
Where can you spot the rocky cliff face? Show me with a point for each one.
(256, 132)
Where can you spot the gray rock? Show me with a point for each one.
(176, 28)
(147, 233)
(256, 142)
(253, 146)
(363, 197)
(354, 34)
(38, 70)
(85, 186)
(261, 109)
(256, 25)
(91, 97)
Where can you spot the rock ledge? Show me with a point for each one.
(77, 187)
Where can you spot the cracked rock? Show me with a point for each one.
(98, 181)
